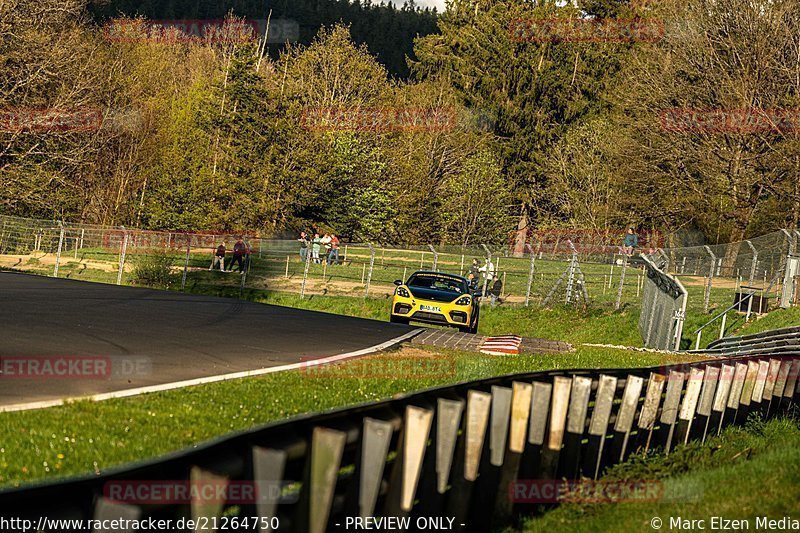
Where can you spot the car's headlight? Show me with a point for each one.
(464, 300)
(402, 291)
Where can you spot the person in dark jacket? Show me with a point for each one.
(239, 253)
(219, 258)
(474, 274)
(496, 291)
(631, 242)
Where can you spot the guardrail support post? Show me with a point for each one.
(58, 253)
(707, 295)
(369, 274)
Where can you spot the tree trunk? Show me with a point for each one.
(522, 232)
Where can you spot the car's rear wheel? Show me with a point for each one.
(398, 319)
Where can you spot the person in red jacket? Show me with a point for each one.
(219, 258)
(239, 252)
(333, 255)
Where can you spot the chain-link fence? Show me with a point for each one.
(663, 309)
(757, 264)
(550, 269)
(538, 275)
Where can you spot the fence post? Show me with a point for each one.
(186, 265)
(435, 257)
(287, 267)
(122, 257)
(369, 274)
(244, 272)
(58, 253)
(754, 264)
(621, 282)
(486, 274)
(530, 274)
(461, 272)
(571, 276)
(305, 276)
(707, 295)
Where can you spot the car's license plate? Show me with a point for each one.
(430, 308)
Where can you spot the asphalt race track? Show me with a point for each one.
(117, 338)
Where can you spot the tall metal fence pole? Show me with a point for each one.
(571, 277)
(122, 257)
(530, 276)
(753, 264)
(707, 295)
(369, 274)
(186, 265)
(58, 253)
(435, 257)
(305, 276)
(621, 282)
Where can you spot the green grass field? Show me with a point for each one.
(84, 437)
(745, 473)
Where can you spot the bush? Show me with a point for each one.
(153, 269)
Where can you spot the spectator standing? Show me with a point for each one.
(315, 244)
(631, 242)
(474, 274)
(303, 246)
(496, 291)
(239, 252)
(218, 258)
(326, 242)
(488, 273)
(333, 257)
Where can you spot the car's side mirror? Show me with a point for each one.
(398, 282)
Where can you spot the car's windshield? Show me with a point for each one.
(438, 282)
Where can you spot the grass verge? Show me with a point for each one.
(745, 473)
(84, 437)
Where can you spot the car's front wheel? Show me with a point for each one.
(474, 327)
(397, 319)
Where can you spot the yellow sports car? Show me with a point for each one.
(436, 298)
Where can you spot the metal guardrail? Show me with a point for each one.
(724, 316)
(449, 453)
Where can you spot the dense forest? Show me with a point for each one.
(491, 134)
(388, 31)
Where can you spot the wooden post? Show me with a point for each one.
(287, 267)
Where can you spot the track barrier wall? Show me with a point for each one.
(475, 455)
